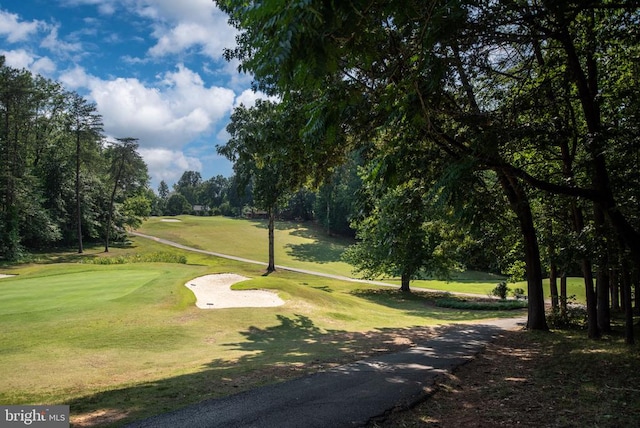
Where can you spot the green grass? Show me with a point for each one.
(296, 245)
(126, 340)
(307, 247)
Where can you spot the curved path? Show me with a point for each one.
(347, 396)
(292, 269)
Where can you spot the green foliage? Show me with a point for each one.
(457, 303)
(501, 290)
(519, 293)
(157, 257)
(177, 204)
(568, 316)
(55, 182)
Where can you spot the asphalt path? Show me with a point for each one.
(347, 396)
(292, 269)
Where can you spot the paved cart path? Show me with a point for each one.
(346, 396)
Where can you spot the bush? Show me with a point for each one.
(158, 257)
(500, 290)
(454, 303)
(519, 293)
(574, 317)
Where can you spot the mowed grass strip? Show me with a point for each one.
(122, 342)
(305, 246)
(299, 245)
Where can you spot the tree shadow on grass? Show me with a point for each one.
(290, 349)
(423, 304)
(317, 252)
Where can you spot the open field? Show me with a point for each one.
(303, 246)
(120, 342)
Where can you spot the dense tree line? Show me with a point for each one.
(332, 204)
(60, 181)
(476, 115)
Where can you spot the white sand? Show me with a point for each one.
(214, 292)
(2, 275)
(171, 220)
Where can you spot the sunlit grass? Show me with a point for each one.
(128, 337)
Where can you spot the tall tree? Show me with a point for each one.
(127, 174)
(86, 125)
(467, 75)
(189, 186)
(253, 147)
(264, 147)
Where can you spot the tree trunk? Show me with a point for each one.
(590, 294)
(519, 203)
(272, 264)
(587, 274)
(602, 293)
(602, 280)
(553, 286)
(636, 287)
(78, 203)
(553, 268)
(628, 307)
(405, 279)
(563, 295)
(614, 290)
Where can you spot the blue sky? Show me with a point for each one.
(154, 68)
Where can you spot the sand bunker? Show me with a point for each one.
(171, 220)
(2, 275)
(214, 292)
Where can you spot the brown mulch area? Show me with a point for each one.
(489, 391)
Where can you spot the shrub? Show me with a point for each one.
(519, 293)
(574, 317)
(159, 257)
(500, 290)
(454, 303)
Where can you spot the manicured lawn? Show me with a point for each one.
(307, 247)
(296, 245)
(120, 342)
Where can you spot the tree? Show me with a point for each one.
(127, 174)
(86, 125)
(189, 186)
(400, 237)
(163, 197)
(177, 204)
(214, 191)
(265, 151)
(473, 77)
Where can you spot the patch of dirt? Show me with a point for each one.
(98, 417)
(495, 389)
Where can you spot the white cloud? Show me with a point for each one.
(43, 66)
(181, 26)
(248, 98)
(20, 59)
(168, 165)
(14, 30)
(77, 78)
(105, 7)
(172, 114)
(54, 44)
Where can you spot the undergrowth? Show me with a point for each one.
(158, 257)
